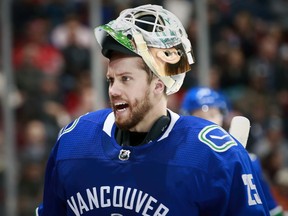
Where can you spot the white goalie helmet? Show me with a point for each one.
(156, 35)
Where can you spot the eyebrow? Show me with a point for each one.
(124, 73)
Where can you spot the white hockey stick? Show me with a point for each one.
(239, 128)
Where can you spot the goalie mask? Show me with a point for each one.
(154, 34)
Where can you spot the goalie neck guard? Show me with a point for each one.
(154, 34)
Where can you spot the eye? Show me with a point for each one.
(167, 53)
(125, 78)
(109, 80)
(179, 52)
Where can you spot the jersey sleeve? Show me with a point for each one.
(245, 193)
(234, 188)
(232, 181)
(52, 203)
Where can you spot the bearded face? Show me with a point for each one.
(134, 92)
(135, 110)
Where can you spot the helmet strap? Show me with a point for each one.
(143, 51)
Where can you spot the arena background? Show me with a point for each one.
(51, 71)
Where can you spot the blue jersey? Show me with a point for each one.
(194, 168)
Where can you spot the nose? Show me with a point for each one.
(114, 89)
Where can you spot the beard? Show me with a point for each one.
(137, 111)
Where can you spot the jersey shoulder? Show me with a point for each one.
(205, 144)
(204, 132)
(77, 139)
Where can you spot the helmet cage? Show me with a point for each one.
(153, 33)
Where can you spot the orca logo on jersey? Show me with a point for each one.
(124, 154)
(68, 128)
(216, 138)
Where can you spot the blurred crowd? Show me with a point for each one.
(52, 61)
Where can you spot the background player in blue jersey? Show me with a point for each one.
(140, 158)
(206, 103)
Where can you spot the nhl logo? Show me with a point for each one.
(124, 154)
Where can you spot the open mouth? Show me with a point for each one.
(119, 107)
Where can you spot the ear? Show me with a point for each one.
(159, 86)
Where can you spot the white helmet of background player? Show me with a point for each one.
(156, 35)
